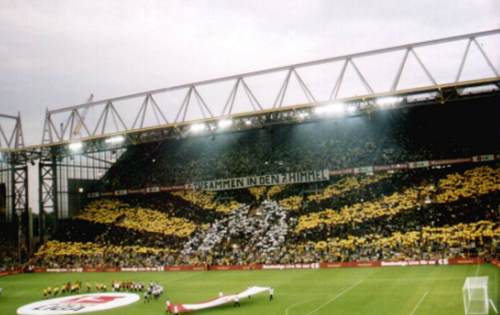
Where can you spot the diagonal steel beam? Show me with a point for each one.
(288, 67)
(464, 58)
(278, 102)
(310, 97)
(429, 76)
(361, 77)
(485, 56)
(338, 83)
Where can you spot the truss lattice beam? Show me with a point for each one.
(11, 132)
(195, 94)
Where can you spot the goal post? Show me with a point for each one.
(475, 295)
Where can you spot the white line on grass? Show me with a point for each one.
(477, 270)
(297, 304)
(419, 302)
(335, 297)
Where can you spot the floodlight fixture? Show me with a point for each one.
(75, 146)
(303, 115)
(385, 102)
(197, 128)
(351, 109)
(115, 140)
(225, 123)
(334, 109)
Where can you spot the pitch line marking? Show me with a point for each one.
(419, 302)
(335, 297)
(477, 270)
(297, 304)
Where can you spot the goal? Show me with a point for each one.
(475, 294)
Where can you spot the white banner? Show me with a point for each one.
(221, 300)
(263, 180)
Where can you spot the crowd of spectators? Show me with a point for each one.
(206, 200)
(136, 218)
(473, 239)
(385, 137)
(475, 182)
(9, 255)
(417, 213)
(55, 254)
(241, 237)
(427, 213)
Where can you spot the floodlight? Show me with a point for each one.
(351, 109)
(115, 140)
(248, 122)
(197, 127)
(225, 123)
(388, 101)
(75, 146)
(335, 109)
(303, 115)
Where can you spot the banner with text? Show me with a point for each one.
(263, 180)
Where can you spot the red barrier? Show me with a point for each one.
(350, 264)
(235, 267)
(323, 265)
(290, 266)
(422, 262)
(186, 268)
(142, 269)
(64, 270)
(465, 261)
(10, 272)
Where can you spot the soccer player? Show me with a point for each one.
(237, 301)
(67, 287)
(271, 294)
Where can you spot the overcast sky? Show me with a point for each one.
(55, 53)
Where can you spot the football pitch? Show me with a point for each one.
(418, 290)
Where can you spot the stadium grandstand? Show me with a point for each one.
(392, 177)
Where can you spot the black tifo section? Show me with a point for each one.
(454, 129)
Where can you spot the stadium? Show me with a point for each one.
(320, 187)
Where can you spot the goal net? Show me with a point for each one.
(475, 294)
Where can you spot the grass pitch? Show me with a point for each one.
(419, 290)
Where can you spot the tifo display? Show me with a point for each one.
(425, 214)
